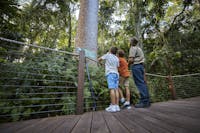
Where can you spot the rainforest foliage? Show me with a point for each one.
(168, 32)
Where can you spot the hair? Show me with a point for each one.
(106, 51)
(113, 50)
(121, 53)
(133, 41)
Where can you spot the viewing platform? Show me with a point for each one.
(177, 116)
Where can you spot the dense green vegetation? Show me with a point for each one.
(169, 35)
(168, 30)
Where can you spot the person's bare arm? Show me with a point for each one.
(130, 60)
(100, 59)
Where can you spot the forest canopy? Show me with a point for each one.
(168, 29)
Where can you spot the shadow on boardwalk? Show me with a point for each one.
(180, 116)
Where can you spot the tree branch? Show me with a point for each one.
(172, 24)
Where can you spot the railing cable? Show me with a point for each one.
(91, 87)
(22, 43)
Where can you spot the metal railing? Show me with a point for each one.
(163, 88)
(36, 81)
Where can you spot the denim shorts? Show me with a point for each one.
(112, 80)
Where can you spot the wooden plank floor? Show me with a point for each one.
(180, 116)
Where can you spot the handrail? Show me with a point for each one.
(22, 43)
(46, 88)
(175, 76)
(28, 88)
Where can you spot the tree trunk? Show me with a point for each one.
(70, 29)
(138, 6)
(87, 30)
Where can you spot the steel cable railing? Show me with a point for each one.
(183, 86)
(36, 81)
(187, 85)
(161, 88)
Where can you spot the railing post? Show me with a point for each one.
(171, 87)
(81, 76)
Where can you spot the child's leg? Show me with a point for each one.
(113, 106)
(117, 100)
(117, 96)
(121, 95)
(112, 96)
(113, 81)
(126, 84)
(127, 94)
(127, 103)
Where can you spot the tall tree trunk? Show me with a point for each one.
(136, 6)
(70, 29)
(87, 30)
(138, 17)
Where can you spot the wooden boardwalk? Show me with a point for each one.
(180, 116)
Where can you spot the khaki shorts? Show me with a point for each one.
(123, 81)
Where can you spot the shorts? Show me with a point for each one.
(124, 81)
(112, 80)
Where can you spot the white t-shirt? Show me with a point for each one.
(111, 64)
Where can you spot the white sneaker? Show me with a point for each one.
(117, 107)
(127, 105)
(111, 108)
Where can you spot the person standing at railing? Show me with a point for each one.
(124, 80)
(112, 76)
(136, 61)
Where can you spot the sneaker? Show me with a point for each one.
(111, 108)
(127, 105)
(117, 107)
(122, 100)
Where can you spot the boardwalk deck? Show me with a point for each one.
(180, 116)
